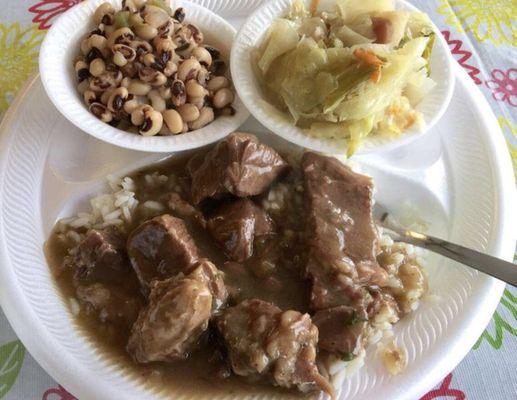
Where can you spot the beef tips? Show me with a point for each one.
(235, 226)
(160, 248)
(100, 256)
(172, 325)
(184, 209)
(239, 165)
(263, 341)
(341, 330)
(341, 235)
(110, 303)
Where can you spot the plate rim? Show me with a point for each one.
(503, 245)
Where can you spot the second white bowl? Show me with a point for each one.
(250, 37)
(61, 46)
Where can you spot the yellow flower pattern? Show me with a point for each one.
(18, 58)
(485, 19)
(512, 129)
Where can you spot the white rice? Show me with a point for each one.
(153, 205)
(109, 209)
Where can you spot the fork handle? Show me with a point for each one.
(500, 269)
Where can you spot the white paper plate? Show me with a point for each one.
(250, 36)
(460, 179)
(60, 48)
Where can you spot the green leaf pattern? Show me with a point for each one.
(11, 361)
(501, 325)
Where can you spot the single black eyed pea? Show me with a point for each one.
(206, 115)
(170, 68)
(155, 16)
(148, 59)
(146, 31)
(101, 11)
(79, 65)
(153, 121)
(159, 79)
(135, 19)
(217, 82)
(194, 89)
(203, 76)
(125, 82)
(85, 46)
(131, 104)
(178, 93)
(82, 71)
(189, 112)
(202, 55)
(197, 35)
(105, 96)
(100, 43)
(137, 115)
(89, 97)
(119, 59)
(222, 98)
(199, 102)
(97, 67)
(101, 112)
(165, 92)
(122, 35)
(157, 102)
(163, 44)
(188, 69)
(173, 120)
(117, 99)
(83, 86)
(138, 88)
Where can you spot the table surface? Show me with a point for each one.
(482, 36)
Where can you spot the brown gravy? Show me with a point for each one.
(278, 281)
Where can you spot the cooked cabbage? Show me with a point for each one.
(348, 73)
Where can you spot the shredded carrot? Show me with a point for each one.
(370, 58)
(314, 6)
(375, 77)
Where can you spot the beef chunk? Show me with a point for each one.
(184, 209)
(341, 330)
(341, 235)
(101, 256)
(173, 323)
(263, 341)
(110, 303)
(239, 165)
(205, 271)
(235, 226)
(161, 248)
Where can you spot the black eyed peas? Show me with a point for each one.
(146, 66)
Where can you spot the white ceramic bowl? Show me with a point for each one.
(251, 35)
(61, 46)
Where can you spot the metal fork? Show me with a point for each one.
(500, 269)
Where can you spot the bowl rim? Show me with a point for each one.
(326, 145)
(88, 123)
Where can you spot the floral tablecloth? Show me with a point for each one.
(482, 36)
